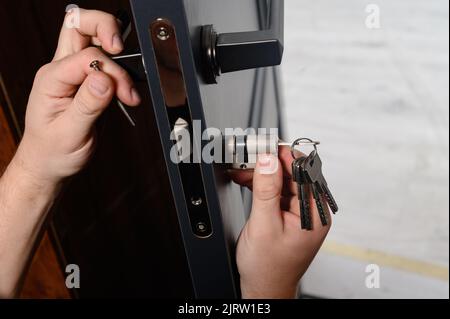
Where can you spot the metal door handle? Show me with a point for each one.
(230, 52)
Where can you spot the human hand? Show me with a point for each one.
(68, 96)
(273, 252)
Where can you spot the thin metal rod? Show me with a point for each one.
(301, 143)
(124, 111)
(127, 56)
(126, 33)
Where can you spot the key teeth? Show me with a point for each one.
(331, 202)
(330, 199)
(319, 205)
(323, 217)
(305, 216)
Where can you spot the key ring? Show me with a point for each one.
(303, 141)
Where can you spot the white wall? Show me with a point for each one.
(378, 100)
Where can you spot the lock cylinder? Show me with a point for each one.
(243, 150)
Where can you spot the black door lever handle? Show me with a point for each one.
(230, 52)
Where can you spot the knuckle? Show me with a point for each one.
(266, 191)
(42, 73)
(109, 19)
(43, 70)
(92, 53)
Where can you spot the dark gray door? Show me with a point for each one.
(238, 100)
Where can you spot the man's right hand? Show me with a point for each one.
(66, 100)
(68, 97)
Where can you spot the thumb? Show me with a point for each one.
(267, 186)
(92, 98)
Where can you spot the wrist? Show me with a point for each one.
(262, 291)
(30, 164)
(28, 183)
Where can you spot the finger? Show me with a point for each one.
(267, 185)
(63, 77)
(245, 178)
(242, 177)
(96, 42)
(81, 25)
(290, 204)
(91, 100)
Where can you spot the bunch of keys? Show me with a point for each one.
(307, 173)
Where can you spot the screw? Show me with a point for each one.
(95, 65)
(196, 201)
(163, 34)
(201, 227)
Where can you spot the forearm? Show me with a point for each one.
(24, 203)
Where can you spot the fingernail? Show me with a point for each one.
(98, 87)
(267, 164)
(117, 42)
(135, 95)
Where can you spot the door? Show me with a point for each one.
(173, 37)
